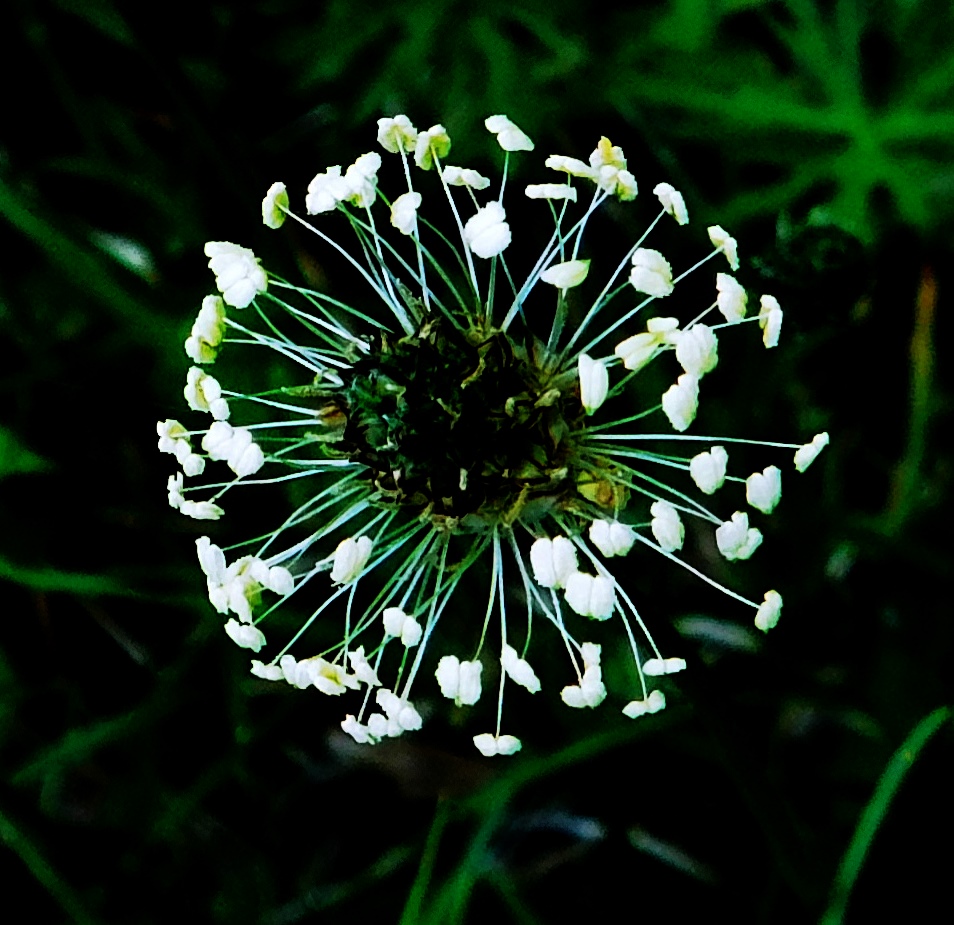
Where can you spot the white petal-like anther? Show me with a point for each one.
(297, 674)
(218, 439)
(459, 681)
(551, 191)
(697, 350)
(274, 205)
(208, 331)
(553, 561)
(731, 300)
(509, 137)
(361, 180)
(519, 670)
(571, 165)
(397, 134)
(736, 539)
(201, 510)
(666, 526)
(356, 730)
(611, 537)
(591, 691)
(238, 275)
(487, 233)
(594, 382)
(245, 457)
(174, 491)
(448, 676)
(325, 191)
(680, 402)
(280, 581)
(330, 678)
(404, 212)
(651, 273)
(655, 667)
(351, 557)
(464, 176)
(245, 635)
(672, 201)
(211, 559)
(398, 623)
(411, 633)
(203, 393)
(770, 320)
(708, 469)
(764, 489)
(566, 275)
(393, 618)
(490, 745)
(769, 611)
(266, 672)
(807, 454)
(435, 142)
(655, 702)
(591, 596)
(170, 433)
(638, 350)
(726, 243)
(362, 668)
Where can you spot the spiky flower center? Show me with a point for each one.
(470, 429)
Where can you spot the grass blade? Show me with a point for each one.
(874, 813)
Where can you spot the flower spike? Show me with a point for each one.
(460, 422)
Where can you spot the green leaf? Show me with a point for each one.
(51, 579)
(43, 872)
(15, 458)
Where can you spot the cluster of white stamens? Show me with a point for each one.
(354, 531)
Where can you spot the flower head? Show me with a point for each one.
(462, 419)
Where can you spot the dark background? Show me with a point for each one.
(146, 778)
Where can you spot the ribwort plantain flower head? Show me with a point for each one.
(449, 422)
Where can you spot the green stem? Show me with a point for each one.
(412, 909)
(873, 814)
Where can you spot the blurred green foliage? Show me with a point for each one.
(144, 772)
